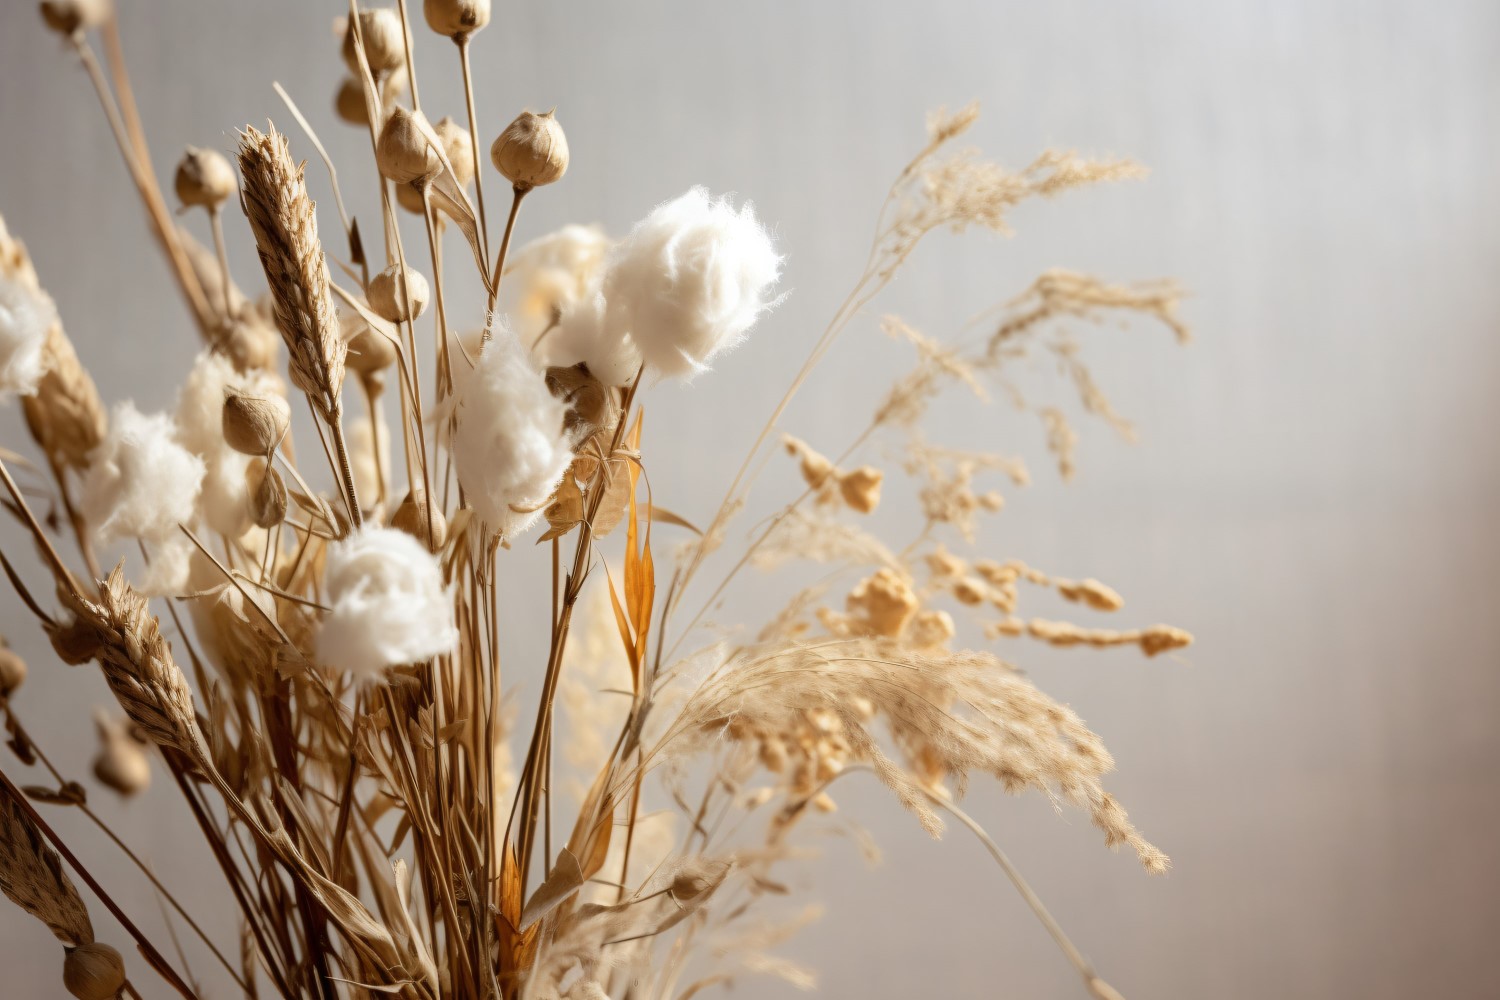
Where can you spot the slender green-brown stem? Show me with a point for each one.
(463, 58)
(510, 225)
(153, 956)
(216, 222)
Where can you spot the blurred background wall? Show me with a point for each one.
(1313, 493)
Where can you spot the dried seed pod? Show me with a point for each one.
(457, 19)
(459, 146)
(94, 972)
(65, 415)
(204, 179)
(121, 763)
(860, 488)
(385, 42)
(531, 151)
(349, 101)
(403, 152)
(410, 198)
(250, 344)
(386, 298)
(411, 517)
(268, 498)
(68, 16)
(369, 352)
(255, 424)
(590, 406)
(74, 641)
(12, 672)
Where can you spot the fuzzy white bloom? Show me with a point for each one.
(26, 314)
(549, 274)
(387, 602)
(140, 482)
(509, 447)
(582, 335)
(170, 567)
(689, 281)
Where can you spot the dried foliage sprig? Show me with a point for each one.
(331, 705)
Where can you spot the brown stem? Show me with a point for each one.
(463, 58)
(510, 225)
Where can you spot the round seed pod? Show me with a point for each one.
(532, 151)
(349, 101)
(860, 488)
(369, 352)
(386, 299)
(409, 198)
(94, 972)
(268, 498)
(385, 42)
(204, 178)
(457, 19)
(68, 16)
(250, 345)
(12, 672)
(411, 517)
(459, 146)
(121, 763)
(255, 424)
(402, 152)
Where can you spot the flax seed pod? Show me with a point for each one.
(412, 518)
(12, 672)
(532, 151)
(94, 971)
(255, 424)
(457, 19)
(386, 297)
(121, 763)
(403, 152)
(204, 179)
(385, 42)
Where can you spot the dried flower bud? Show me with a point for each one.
(402, 151)
(250, 344)
(459, 146)
(458, 19)
(531, 151)
(68, 16)
(590, 406)
(860, 488)
(369, 352)
(969, 590)
(412, 518)
(94, 972)
(122, 763)
(268, 498)
(387, 300)
(204, 178)
(385, 42)
(74, 640)
(12, 672)
(884, 603)
(349, 102)
(255, 424)
(409, 197)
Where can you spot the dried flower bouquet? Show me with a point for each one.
(332, 706)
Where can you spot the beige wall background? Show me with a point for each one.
(1313, 494)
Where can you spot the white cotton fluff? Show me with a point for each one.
(387, 604)
(689, 281)
(509, 446)
(170, 567)
(26, 314)
(549, 274)
(140, 482)
(582, 335)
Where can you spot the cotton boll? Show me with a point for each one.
(140, 482)
(387, 604)
(582, 335)
(225, 499)
(509, 447)
(690, 280)
(26, 314)
(170, 567)
(547, 276)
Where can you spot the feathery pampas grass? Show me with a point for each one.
(388, 817)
